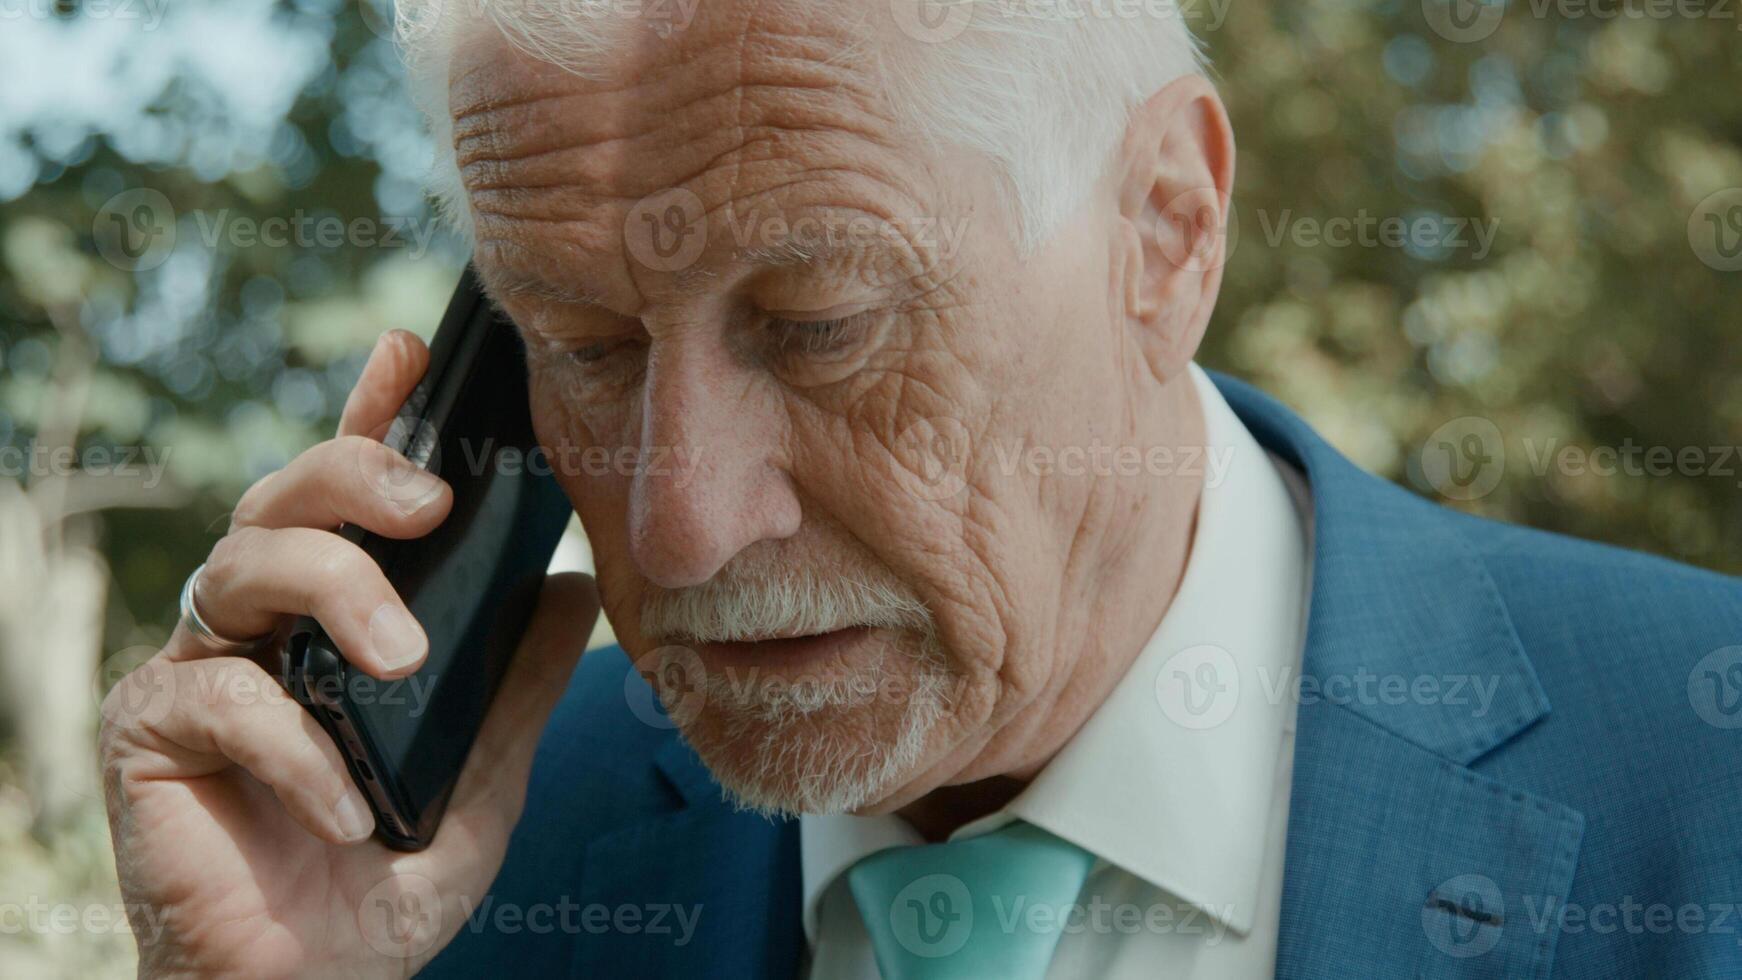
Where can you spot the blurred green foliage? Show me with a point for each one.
(1585, 144)
(232, 355)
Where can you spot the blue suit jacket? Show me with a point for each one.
(1601, 837)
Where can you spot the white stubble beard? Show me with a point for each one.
(818, 746)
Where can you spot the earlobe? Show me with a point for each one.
(1176, 172)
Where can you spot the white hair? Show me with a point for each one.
(1043, 88)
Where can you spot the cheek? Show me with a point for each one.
(897, 466)
(597, 476)
(560, 411)
(602, 503)
(942, 490)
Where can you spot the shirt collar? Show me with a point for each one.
(1173, 778)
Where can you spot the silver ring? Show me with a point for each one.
(190, 617)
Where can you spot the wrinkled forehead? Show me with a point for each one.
(748, 105)
(629, 85)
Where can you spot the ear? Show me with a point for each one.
(1175, 173)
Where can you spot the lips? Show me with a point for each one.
(784, 653)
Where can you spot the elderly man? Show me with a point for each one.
(993, 637)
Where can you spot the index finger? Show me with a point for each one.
(395, 366)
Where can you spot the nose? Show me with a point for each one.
(724, 486)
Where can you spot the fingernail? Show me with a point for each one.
(410, 489)
(397, 638)
(355, 820)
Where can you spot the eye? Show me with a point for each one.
(817, 338)
(604, 365)
(590, 354)
(602, 353)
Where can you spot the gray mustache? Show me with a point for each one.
(761, 608)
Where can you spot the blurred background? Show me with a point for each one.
(1492, 250)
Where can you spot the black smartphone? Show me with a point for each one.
(471, 583)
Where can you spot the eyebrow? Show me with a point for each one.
(809, 251)
(788, 253)
(513, 282)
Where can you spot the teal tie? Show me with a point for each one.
(988, 906)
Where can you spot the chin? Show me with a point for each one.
(834, 747)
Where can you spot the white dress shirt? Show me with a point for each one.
(1179, 782)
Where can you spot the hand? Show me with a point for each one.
(242, 845)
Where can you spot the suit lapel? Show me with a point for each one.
(733, 877)
(1402, 860)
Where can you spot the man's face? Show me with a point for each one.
(788, 362)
